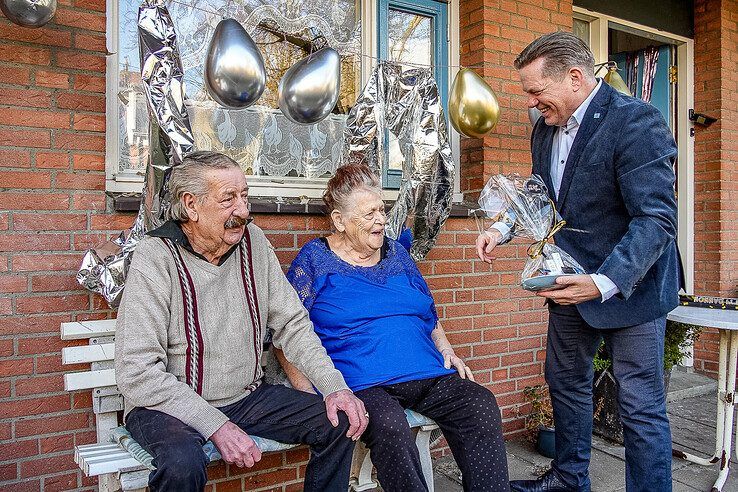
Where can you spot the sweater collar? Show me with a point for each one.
(172, 230)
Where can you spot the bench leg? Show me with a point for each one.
(422, 441)
(361, 469)
(108, 483)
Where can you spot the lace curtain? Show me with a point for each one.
(259, 137)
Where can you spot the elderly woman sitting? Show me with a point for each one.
(376, 318)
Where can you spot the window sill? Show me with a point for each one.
(262, 205)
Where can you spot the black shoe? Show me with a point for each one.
(550, 482)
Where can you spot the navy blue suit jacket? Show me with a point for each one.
(618, 187)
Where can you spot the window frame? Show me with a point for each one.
(263, 186)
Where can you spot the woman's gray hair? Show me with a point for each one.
(348, 179)
(561, 51)
(191, 177)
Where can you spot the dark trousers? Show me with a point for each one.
(467, 414)
(638, 364)
(273, 412)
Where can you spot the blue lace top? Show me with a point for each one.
(375, 322)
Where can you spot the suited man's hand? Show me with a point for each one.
(486, 242)
(573, 290)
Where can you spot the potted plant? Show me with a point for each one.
(539, 422)
(678, 337)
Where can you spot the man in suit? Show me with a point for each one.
(607, 160)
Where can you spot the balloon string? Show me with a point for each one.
(363, 55)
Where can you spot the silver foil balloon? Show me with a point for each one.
(406, 106)
(309, 90)
(533, 115)
(29, 13)
(234, 68)
(104, 268)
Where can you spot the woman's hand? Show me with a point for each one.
(450, 359)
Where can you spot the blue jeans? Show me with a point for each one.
(637, 361)
(273, 412)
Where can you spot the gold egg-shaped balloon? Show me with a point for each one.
(472, 105)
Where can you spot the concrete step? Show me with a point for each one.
(686, 383)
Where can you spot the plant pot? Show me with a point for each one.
(606, 418)
(546, 442)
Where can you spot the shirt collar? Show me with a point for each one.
(578, 116)
(172, 230)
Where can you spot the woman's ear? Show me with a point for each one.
(337, 219)
(190, 201)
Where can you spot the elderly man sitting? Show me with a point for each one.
(202, 291)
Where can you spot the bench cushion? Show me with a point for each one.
(122, 437)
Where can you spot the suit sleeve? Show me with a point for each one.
(644, 166)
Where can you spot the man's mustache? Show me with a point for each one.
(235, 222)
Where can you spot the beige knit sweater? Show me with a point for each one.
(187, 358)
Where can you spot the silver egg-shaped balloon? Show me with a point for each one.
(29, 13)
(533, 115)
(309, 90)
(234, 68)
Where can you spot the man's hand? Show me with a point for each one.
(486, 242)
(236, 446)
(573, 289)
(353, 408)
(451, 359)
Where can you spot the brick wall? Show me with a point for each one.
(716, 158)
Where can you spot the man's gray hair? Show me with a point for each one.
(191, 177)
(561, 51)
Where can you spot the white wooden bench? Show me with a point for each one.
(117, 469)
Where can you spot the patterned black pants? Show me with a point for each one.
(467, 414)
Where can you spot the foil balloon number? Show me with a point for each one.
(29, 13)
(472, 106)
(234, 68)
(309, 90)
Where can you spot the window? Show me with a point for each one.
(279, 157)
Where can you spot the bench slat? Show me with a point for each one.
(77, 330)
(88, 380)
(95, 468)
(88, 353)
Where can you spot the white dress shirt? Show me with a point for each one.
(560, 148)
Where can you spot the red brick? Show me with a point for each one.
(46, 262)
(33, 406)
(89, 162)
(41, 466)
(52, 304)
(89, 122)
(54, 80)
(34, 242)
(80, 61)
(31, 324)
(24, 138)
(33, 485)
(80, 181)
(76, 18)
(8, 472)
(6, 350)
(111, 222)
(98, 5)
(15, 75)
(15, 158)
(81, 102)
(39, 385)
(49, 222)
(54, 424)
(56, 444)
(52, 160)
(19, 449)
(59, 483)
(24, 54)
(79, 141)
(54, 283)
(89, 42)
(25, 97)
(91, 83)
(13, 283)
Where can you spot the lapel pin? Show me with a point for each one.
(596, 116)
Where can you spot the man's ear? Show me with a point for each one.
(576, 77)
(337, 219)
(190, 202)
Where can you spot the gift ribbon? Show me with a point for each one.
(536, 249)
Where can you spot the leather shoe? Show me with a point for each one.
(549, 482)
